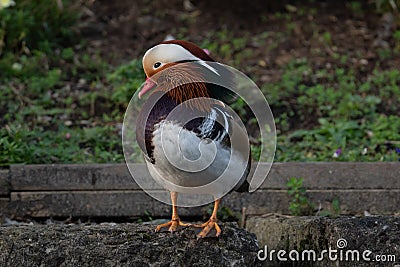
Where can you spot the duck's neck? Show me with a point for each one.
(193, 95)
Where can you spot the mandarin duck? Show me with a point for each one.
(186, 132)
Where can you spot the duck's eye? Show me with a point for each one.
(157, 64)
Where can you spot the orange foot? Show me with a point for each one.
(173, 225)
(207, 227)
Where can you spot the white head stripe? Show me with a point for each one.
(166, 53)
(202, 62)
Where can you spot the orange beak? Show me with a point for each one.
(148, 85)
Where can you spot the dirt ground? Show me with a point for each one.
(322, 32)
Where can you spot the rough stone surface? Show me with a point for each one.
(3, 206)
(123, 245)
(381, 235)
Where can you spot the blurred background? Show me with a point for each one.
(330, 71)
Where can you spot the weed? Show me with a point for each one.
(224, 214)
(147, 217)
(334, 212)
(299, 204)
(336, 206)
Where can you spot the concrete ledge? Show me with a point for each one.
(135, 203)
(107, 190)
(317, 176)
(123, 245)
(381, 235)
(4, 183)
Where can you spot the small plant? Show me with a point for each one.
(147, 217)
(356, 7)
(327, 38)
(334, 212)
(224, 214)
(299, 204)
(336, 207)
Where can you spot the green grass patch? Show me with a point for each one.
(320, 112)
(61, 102)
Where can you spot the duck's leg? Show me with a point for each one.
(175, 221)
(211, 223)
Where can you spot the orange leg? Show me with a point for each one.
(175, 221)
(211, 223)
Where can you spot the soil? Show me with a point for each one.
(321, 31)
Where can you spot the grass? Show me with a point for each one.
(48, 121)
(63, 103)
(336, 111)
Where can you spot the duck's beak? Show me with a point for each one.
(147, 86)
